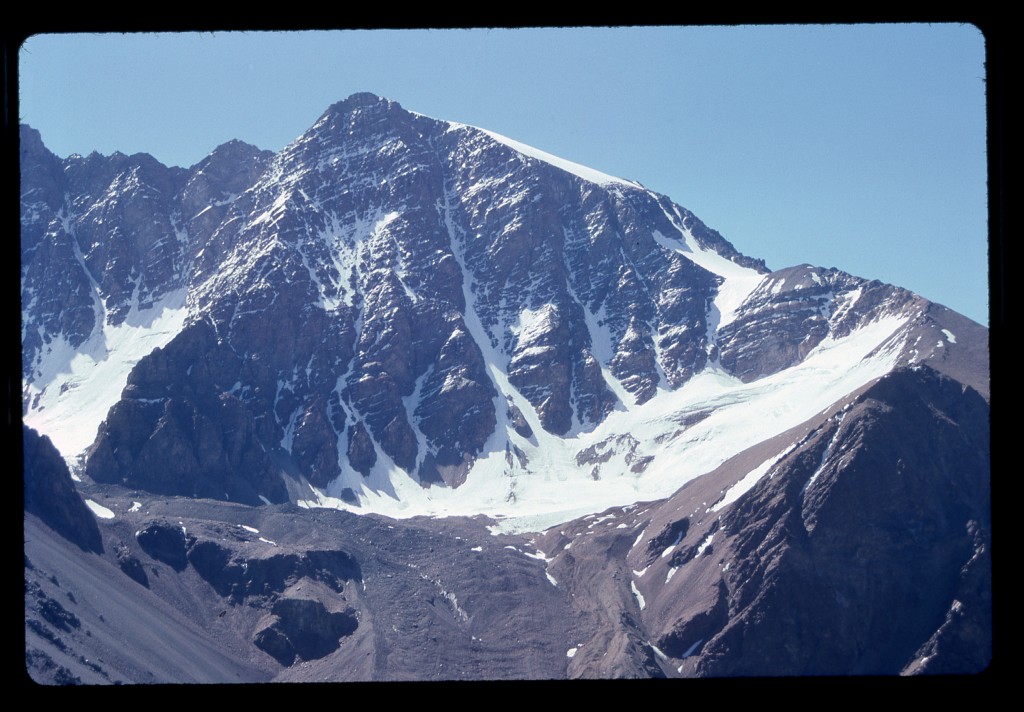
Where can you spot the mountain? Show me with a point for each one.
(700, 466)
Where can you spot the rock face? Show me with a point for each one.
(304, 629)
(50, 494)
(917, 493)
(178, 430)
(792, 311)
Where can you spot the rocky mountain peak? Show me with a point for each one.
(394, 298)
(359, 114)
(30, 139)
(359, 100)
(405, 316)
(229, 152)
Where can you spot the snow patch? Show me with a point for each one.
(704, 545)
(639, 596)
(638, 538)
(99, 510)
(749, 480)
(533, 324)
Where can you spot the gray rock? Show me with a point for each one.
(165, 541)
(50, 493)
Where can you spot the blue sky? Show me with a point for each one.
(859, 147)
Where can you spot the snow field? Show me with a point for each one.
(555, 489)
(74, 389)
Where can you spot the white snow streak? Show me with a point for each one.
(825, 455)
(749, 480)
(705, 544)
(739, 281)
(639, 596)
(587, 174)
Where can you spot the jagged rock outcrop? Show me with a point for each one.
(793, 310)
(165, 542)
(303, 628)
(240, 576)
(361, 454)
(131, 566)
(50, 493)
(179, 429)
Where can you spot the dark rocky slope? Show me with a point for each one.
(50, 493)
(848, 556)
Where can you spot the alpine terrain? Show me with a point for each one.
(411, 400)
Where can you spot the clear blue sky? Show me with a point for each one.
(859, 147)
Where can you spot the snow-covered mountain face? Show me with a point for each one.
(406, 315)
(751, 472)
